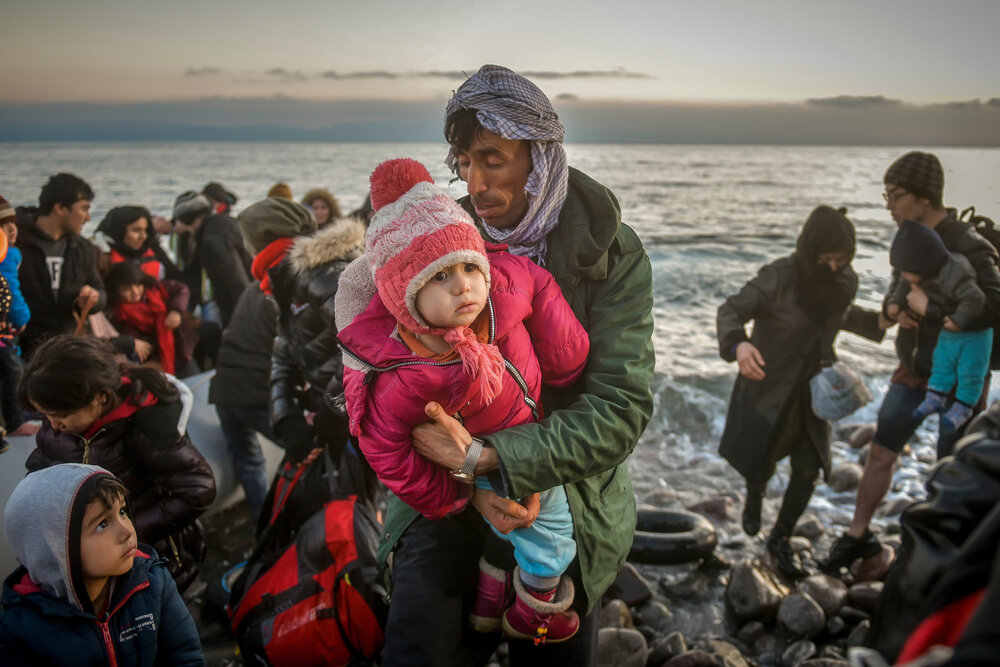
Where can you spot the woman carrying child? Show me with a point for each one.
(132, 423)
(798, 304)
(478, 334)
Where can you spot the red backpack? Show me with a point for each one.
(316, 602)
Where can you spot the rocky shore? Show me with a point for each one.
(732, 610)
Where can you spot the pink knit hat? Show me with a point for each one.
(416, 231)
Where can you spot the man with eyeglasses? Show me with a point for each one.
(914, 187)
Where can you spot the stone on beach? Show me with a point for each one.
(861, 436)
(797, 653)
(630, 587)
(726, 654)
(857, 636)
(895, 506)
(666, 648)
(753, 592)
(845, 477)
(801, 616)
(657, 616)
(829, 592)
(810, 527)
(825, 662)
(751, 632)
(615, 614)
(719, 507)
(691, 659)
(874, 568)
(865, 595)
(621, 647)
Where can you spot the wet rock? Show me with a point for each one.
(835, 625)
(832, 652)
(660, 498)
(621, 647)
(649, 633)
(824, 662)
(829, 592)
(845, 477)
(853, 615)
(751, 632)
(874, 568)
(861, 436)
(615, 614)
(666, 648)
(768, 644)
(893, 528)
(799, 544)
(809, 526)
(894, 507)
(753, 593)
(866, 594)
(857, 636)
(690, 659)
(657, 616)
(630, 587)
(801, 616)
(797, 653)
(767, 660)
(726, 654)
(720, 507)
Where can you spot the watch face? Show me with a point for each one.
(463, 477)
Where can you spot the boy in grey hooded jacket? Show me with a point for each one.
(87, 593)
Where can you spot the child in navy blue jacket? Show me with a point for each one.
(87, 592)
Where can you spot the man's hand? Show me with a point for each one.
(142, 349)
(883, 321)
(504, 514)
(161, 225)
(87, 298)
(949, 325)
(905, 320)
(750, 360)
(442, 440)
(172, 320)
(917, 300)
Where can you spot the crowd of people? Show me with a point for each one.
(489, 358)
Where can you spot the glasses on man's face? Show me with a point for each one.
(894, 196)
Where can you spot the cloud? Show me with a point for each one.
(284, 75)
(994, 102)
(350, 76)
(202, 71)
(965, 105)
(618, 73)
(854, 101)
(567, 97)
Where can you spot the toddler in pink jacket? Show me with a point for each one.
(478, 334)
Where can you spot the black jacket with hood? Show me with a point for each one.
(51, 316)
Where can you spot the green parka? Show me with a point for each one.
(592, 427)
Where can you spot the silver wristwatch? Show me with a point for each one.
(467, 473)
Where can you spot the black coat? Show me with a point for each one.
(51, 316)
(793, 347)
(306, 364)
(243, 367)
(215, 252)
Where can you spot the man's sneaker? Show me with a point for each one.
(787, 560)
(542, 616)
(492, 598)
(848, 549)
(751, 513)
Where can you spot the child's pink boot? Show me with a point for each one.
(542, 616)
(492, 597)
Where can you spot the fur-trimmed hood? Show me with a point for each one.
(341, 240)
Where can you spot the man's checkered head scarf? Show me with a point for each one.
(509, 105)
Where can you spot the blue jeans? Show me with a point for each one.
(545, 548)
(961, 361)
(240, 425)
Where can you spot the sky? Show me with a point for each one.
(324, 63)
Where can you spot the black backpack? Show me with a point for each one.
(989, 231)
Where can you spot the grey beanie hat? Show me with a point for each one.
(919, 173)
(271, 219)
(189, 205)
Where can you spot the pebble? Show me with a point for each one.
(861, 436)
(874, 568)
(660, 498)
(857, 636)
(799, 544)
(753, 593)
(894, 507)
(853, 615)
(835, 625)
(615, 614)
(657, 616)
(797, 653)
(751, 632)
(866, 594)
(767, 660)
(630, 587)
(801, 616)
(621, 647)
(824, 662)
(691, 659)
(845, 477)
(809, 526)
(832, 652)
(829, 592)
(767, 644)
(719, 507)
(730, 655)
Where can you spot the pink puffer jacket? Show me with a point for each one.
(539, 337)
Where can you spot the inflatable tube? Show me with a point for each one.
(205, 432)
(671, 537)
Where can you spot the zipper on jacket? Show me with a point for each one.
(109, 644)
(519, 379)
(87, 441)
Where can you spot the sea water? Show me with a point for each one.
(708, 215)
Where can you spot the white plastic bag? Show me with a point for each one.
(837, 391)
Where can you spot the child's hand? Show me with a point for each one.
(949, 325)
(172, 320)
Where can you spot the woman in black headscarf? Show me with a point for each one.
(130, 233)
(798, 304)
